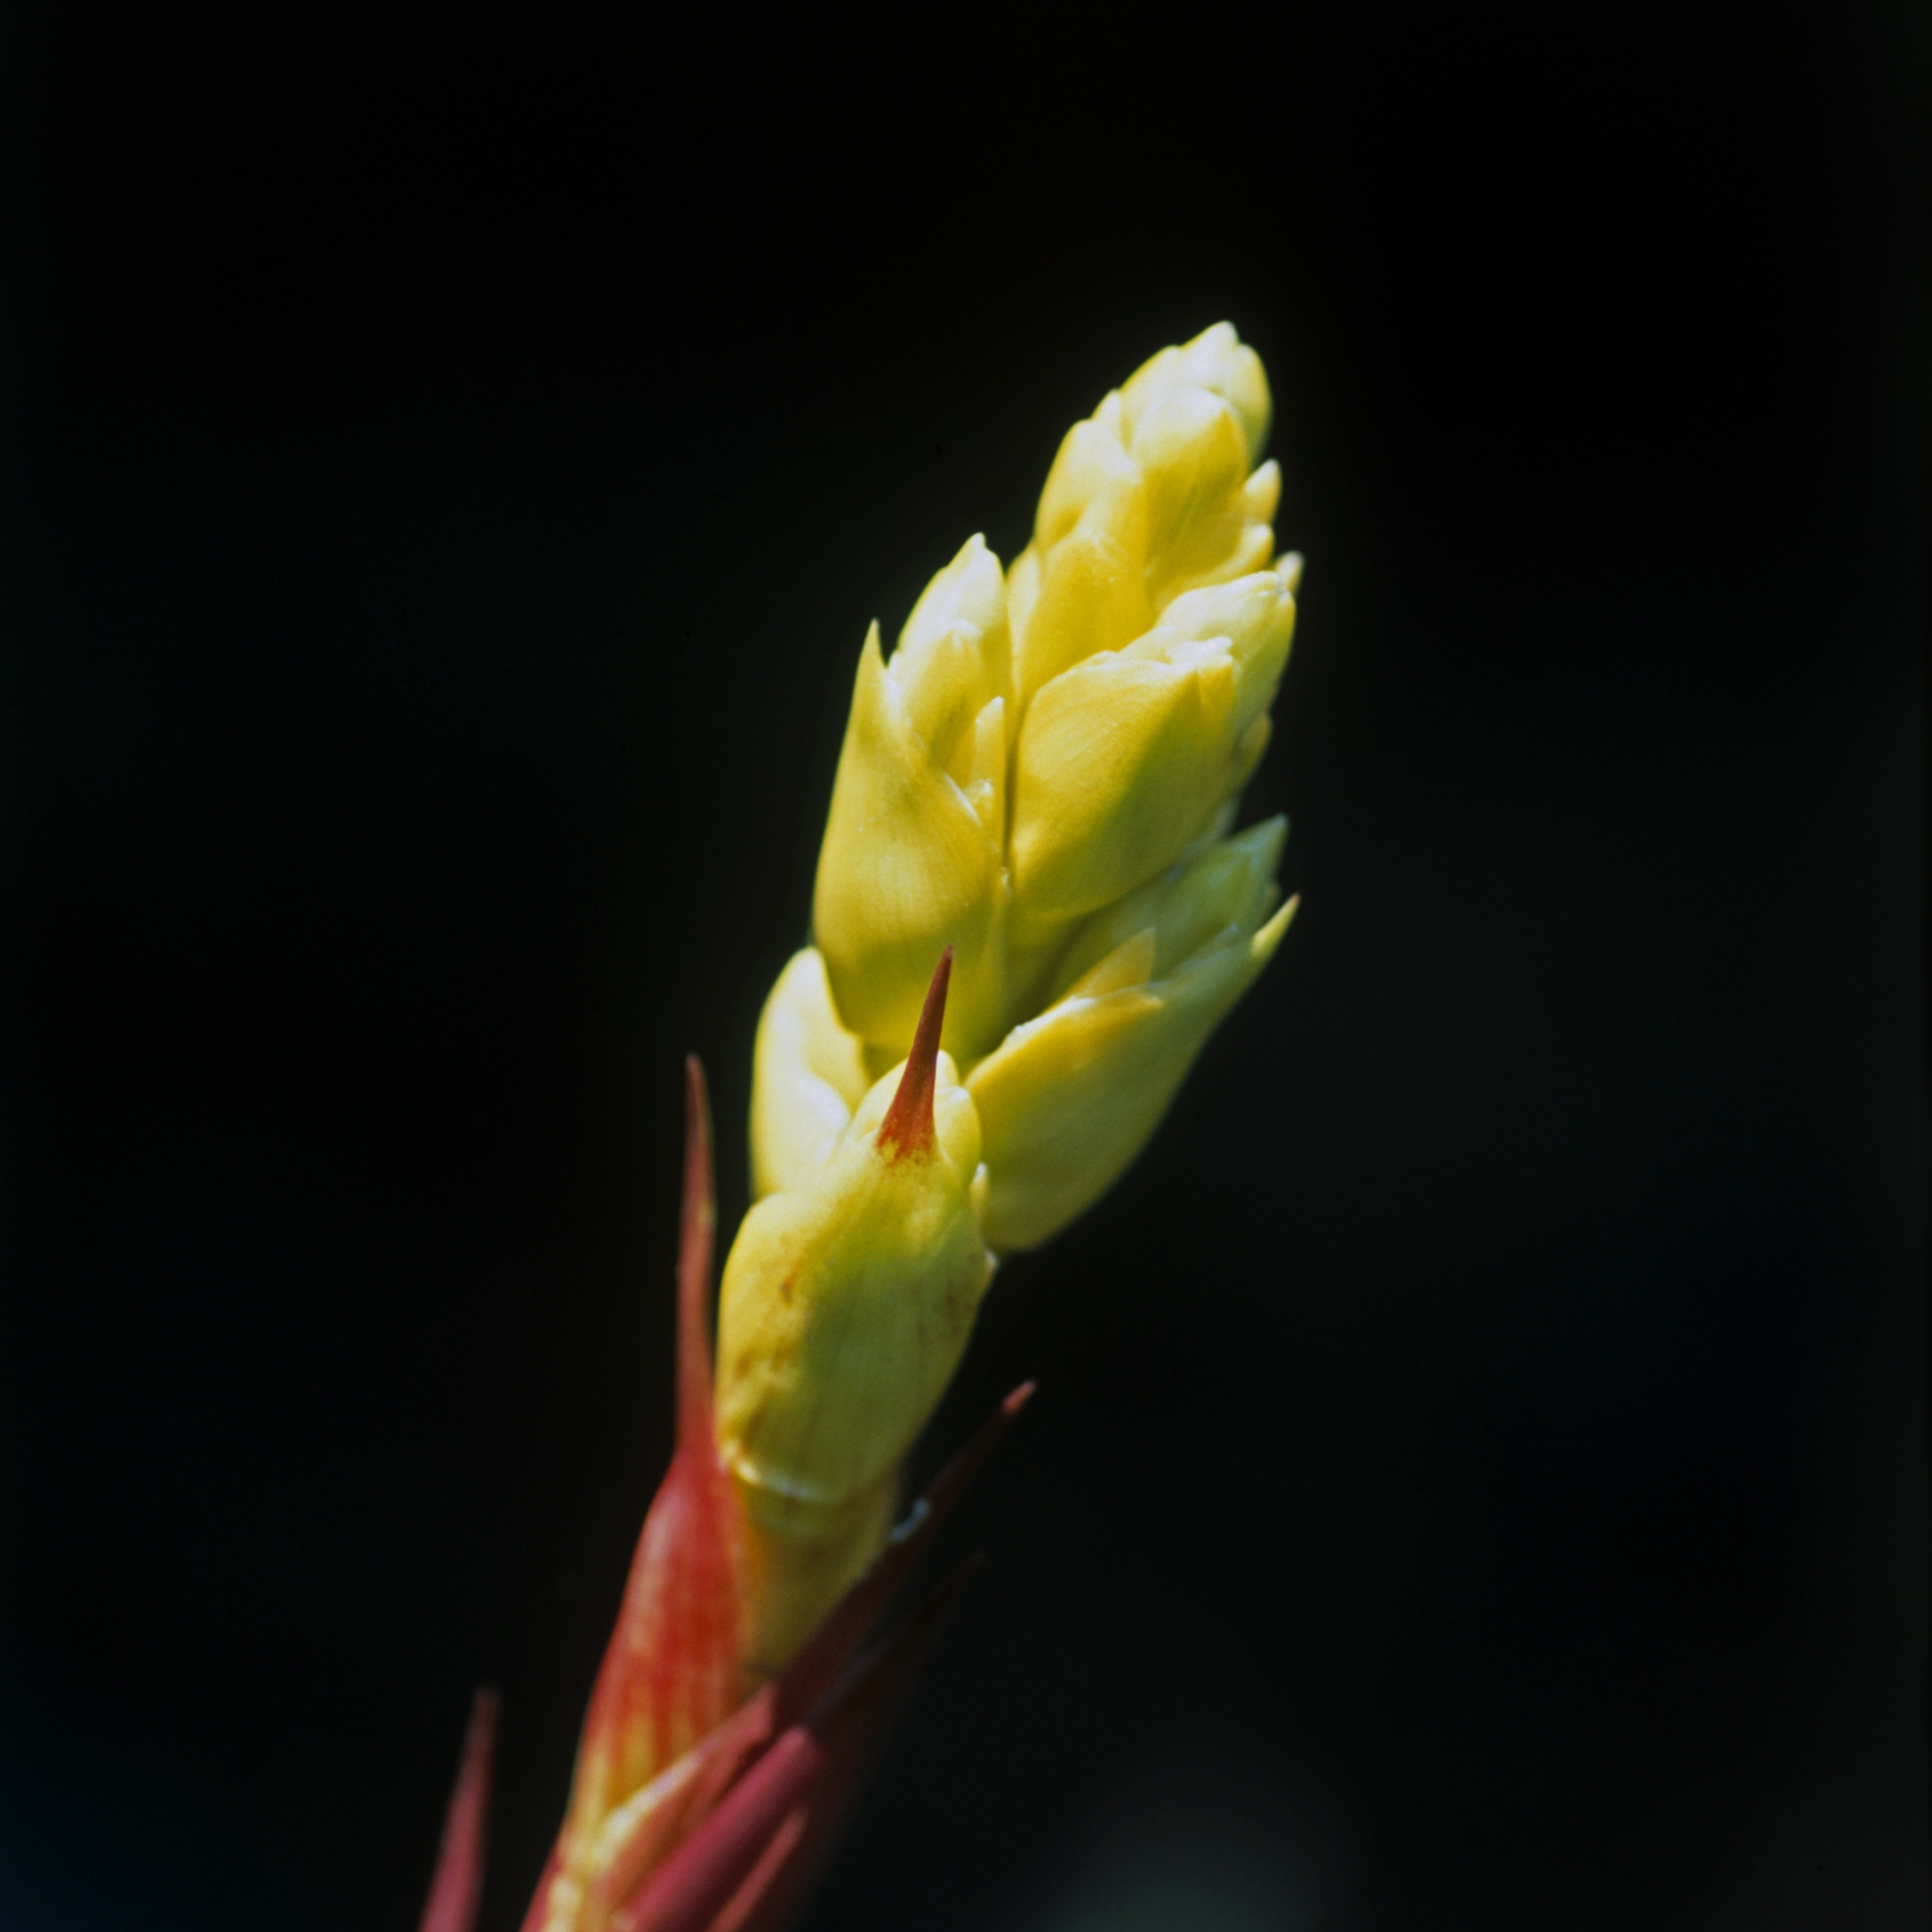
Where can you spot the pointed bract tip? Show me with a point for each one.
(456, 1890)
(481, 1736)
(907, 1130)
(697, 1120)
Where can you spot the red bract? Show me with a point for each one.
(458, 1888)
(695, 1808)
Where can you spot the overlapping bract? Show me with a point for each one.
(846, 1305)
(1041, 782)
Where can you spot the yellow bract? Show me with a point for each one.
(908, 867)
(846, 1299)
(1126, 758)
(808, 1074)
(1070, 1098)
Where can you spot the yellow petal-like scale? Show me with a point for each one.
(907, 869)
(1121, 761)
(1092, 595)
(808, 1074)
(1072, 1097)
(1217, 359)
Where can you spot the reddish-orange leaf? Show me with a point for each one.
(457, 1889)
(674, 1670)
(815, 1767)
(722, 1758)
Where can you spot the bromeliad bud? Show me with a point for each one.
(1154, 494)
(846, 1301)
(1038, 788)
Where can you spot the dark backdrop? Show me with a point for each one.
(1477, 1477)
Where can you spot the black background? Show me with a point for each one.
(452, 461)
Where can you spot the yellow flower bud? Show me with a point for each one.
(1150, 497)
(808, 1076)
(847, 1300)
(1124, 759)
(912, 856)
(1255, 614)
(1216, 360)
(1191, 448)
(971, 591)
(1070, 1099)
(1080, 586)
